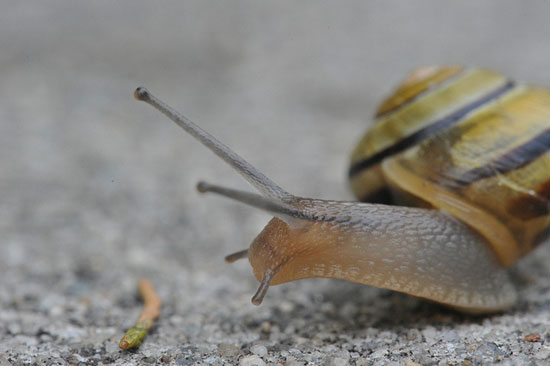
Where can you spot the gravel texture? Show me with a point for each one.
(98, 189)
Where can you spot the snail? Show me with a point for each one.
(464, 156)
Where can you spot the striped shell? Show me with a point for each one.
(467, 141)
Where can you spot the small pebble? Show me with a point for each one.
(286, 306)
(252, 360)
(14, 328)
(487, 350)
(4, 361)
(532, 338)
(111, 347)
(337, 361)
(431, 335)
(543, 354)
(228, 350)
(450, 336)
(413, 334)
(181, 360)
(266, 327)
(294, 363)
(87, 350)
(259, 350)
(149, 360)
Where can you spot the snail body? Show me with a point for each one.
(469, 148)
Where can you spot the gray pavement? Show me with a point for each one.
(97, 190)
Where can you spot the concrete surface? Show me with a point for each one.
(97, 190)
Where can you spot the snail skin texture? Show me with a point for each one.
(468, 148)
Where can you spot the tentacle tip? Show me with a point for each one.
(264, 285)
(141, 94)
(203, 187)
(236, 256)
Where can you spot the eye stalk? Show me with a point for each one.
(266, 186)
(281, 209)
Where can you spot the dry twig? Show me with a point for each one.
(151, 310)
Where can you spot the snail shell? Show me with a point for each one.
(467, 141)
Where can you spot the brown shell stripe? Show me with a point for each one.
(512, 160)
(419, 83)
(429, 130)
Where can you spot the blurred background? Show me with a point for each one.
(98, 189)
